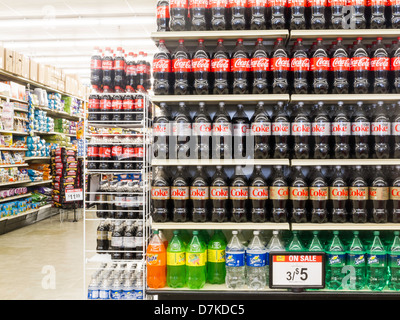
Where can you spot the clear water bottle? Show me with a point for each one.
(376, 265)
(104, 290)
(274, 244)
(138, 286)
(394, 263)
(93, 289)
(235, 263)
(128, 290)
(256, 263)
(116, 289)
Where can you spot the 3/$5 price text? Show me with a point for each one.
(201, 309)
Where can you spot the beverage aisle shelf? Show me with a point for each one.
(346, 98)
(344, 33)
(346, 226)
(59, 114)
(345, 162)
(220, 162)
(220, 225)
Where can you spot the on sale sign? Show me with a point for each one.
(297, 270)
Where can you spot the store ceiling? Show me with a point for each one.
(63, 33)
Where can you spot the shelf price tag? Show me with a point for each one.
(73, 195)
(297, 270)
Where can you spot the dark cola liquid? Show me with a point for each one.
(219, 194)
(239, 195)
(395, 197)
(321, 132)
(199, 195)
(359, 194)
(299, 195)
(201, 66)
(258, 195)
(379, 194)
(339, 195)
(301, 130)
(360, 131)
(279, 195)
(160, 196)
(180, 191)
(240, 124)
(319, 195)
(260, 131)
(201, 129)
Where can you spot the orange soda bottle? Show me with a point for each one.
(156, 262)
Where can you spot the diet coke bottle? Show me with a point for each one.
(222, 134)
(299, 196)
(396, 134)
(380, 130)
(395, 195)
(180, 187)
(219, 195)
(161, 132)
(301, 131)
(201, 66)
(162, 70)
(280, 65)
(279, 195)
(258, 195)
(341, 131)
(340, 65)
(178, 10)
(359, 192)
(319, 195)
(360, 64)
(339, 195)
(319, 66)
(181, 67)
(280, 131)
(201, 132)
(300, 67)
(260, 68)
(239, 195)
(220, 68)
(240, 68)
(321, 132)
(240, 124)
(360, 131)
(260, 131)
(379, 194)
(200, 195)
(160, 195)
(182, 131)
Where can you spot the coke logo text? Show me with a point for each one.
(238, 193)
(343, 193)
(201, 64)
(299, 64)
(220, 65)
(161, 65)
(182, 65)
(360, 63)
(340, 63)
(219, 193)
(260, 64)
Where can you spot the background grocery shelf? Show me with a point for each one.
(345, 162)
(346, 98)
(220, 162)
(344, 33)
(16, 197)
(26, 212)
(2, 96)
(17, 133)
(346, 226)
(12, 149)
(220, 225)
(13, 165)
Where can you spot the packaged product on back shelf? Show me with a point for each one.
(44, 194)
(72, 128)
(8, 157)
(37, 147)
(12, 192)
(61, 141)
(71, 104)
(81, 147)
(62, 125)
(55, 102)
(17, 91)
(13, 208)
(13, 175)
(35, 175)
(41, 122)
(39, 200)
(44, 168)
(39, 97)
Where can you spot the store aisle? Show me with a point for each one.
(43, 261)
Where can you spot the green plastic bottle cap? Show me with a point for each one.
(315, 232)
(396, 233)
(155, 231)
(376, 233)
(176, 232)
(335, 232)
(355, 232)
(195, 232)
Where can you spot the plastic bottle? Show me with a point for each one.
(280, 127)
(300, 67)
(219, 195)
(339, 195)
(380, 130)
(128, 290)
(260, 68)
(335, 261)
(240, 68)
(156, 257)
(181, 68)
(176, 260)
(319, 67)
(222, 134)
(200, 195)
(196, 259)
(297, 14)
(279, 195)
(360, 130)
(238, 14)
(139, 287)
(295, 244)
(260, 131)
(220, 68)
(274, 244)
(178, 11)
(257, 10)
(241, 130)
(376, 266)
(380, 66)
(395, 195)
(104, 289)
(360, 64)
(379, 194)
(315, 244)
(201, 66)
(235, 263)
(301, 131)
(116, 289)
(341, 130)
(161, 70)
(198, 15)
(356, 258)
(321, 132)
(258, 195)
(180, 194)
(319, 195)
(318, 12)
(299, 195)
(256, 263)
(181, 131)
(359, 195)
(216, 271)
(239, 195)
(160, 195)
(93, 289)
(280, 66)
(394, 263)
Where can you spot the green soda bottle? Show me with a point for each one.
(315, 245)
(356, 259)
(216, 271)
(176, 258)
(376, 266)
(394, 263)
(196, 259)
(295, 244)
(335, 261)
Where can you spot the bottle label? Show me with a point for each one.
(257, 3)
(376, 260)
(239, 193)
(380, 128)
(297, 3)
(394, 260)
(357, 2)
(161, 65)
(93, 151)
(160, 193)
(321, 129)
(380, 63)
(106, 104)
(119, 65)
(280, 129)
(396, 128)
(298, 193)
(237, 3)
(339, 193)
(215, 255)
(341, 128)
(240, 64)
(138, 242)
(117, 105)
(181, 65)
(335, 259)
(357, 259)
(179, 193)
(394, 193)
(240, 130)
(256, 259)
(198, 4)
(129, 242)
(128, 105)
(94, 104)
(220, 65)
(319, 193)
(102, 235)
(359, 193)
(312, 3)
(201, 64)
(395, 63)
(95, 64)
(116, 151)
(378, 2)
(320, 63)
(277, 3)
(222, 129)
(260, 129)
(218, 3)
(280, 63)
(340, 63)
(155, 259)
(300, 63)
(196, 259)
(201, 129)
(360, 63)
(181, 129)
(219, 193)
(360, 128)
(178, 4)
(199, 193)
(161, 129)
(301, 128)
(176, 258)
(334, 3)
(379, 193)
(107, 65)
(279, 193)
(260, 64)
(116, 242)
(235, 259)
(258, 193)
(162, 12)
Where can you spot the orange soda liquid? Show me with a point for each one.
(156, 259)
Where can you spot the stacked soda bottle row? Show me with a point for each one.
(318, 131)
(339, 68)
(116, 282)
(122, 239)
(200, 15)
(194, 260)
(353, 195)
(119, 71)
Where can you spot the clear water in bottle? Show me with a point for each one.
(256, 263)
(274, 244)
(235, 263)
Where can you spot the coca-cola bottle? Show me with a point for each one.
(395, 66)
(141, 69)
(321, 132)
(238, 8)
(357, 14)
(380, 130)
(128, 106)
(241, 126)
(319, 195)
(92, 156)
(222, 134)
(280, 128)
(300, 67)
(301, 131)
(277, 14)
(201, 67)
(220, 68)
(182, 131)
(395, 9)
(340, 65)
(96, 71)
(395, 195)
(260, 68)
(360, 131)
(239, 195)
(119, 70)
(181, 68)
(107, 67)
(396, 133)
(359, 196)
(297, 14)
(180, 187)
(258, 11)
(339, 195)
(104, 156)
(258, 195)
(116, 106)
(299, 197)
(200, 195)
(162, 15)
(337, 10)
(379, 194)
(360, 65)
(319, 66)
(130, 73)
(280, 65)
(240, 68)
(105, 107)
(201, 132)
(198, 15)
(380, 64)
(219, 195)
(94, 107)
(162, 70)
(341, 131)
(116, 157)
(219, 14)
(161, 132)
(318, 13)
(260, 131)
(178, 11)
(160, 195)
(378, 20)
(279, 195)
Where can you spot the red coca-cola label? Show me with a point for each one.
(139, 103)
(220, 65)
(128, 105)
(395, 63)
(178, 4)
(94, 104)
(260, 129)
(380, 128)
(181, 65)
(301, 128)
(138, 152)
(161, 65)
(105, 152)
(313, 3)
(280, 63)
(240, 64)
(259, 64)
(297, 3)
(131, 69)
(300, 64)
(93, 151)
(258, 193)
(141, 68)
(107, 65)
(106, 104)
(377, 2)
(237, 3)
(239, 193)
(396, 128)
(218, 3)
(116, 151)
(340, 63)
(198, 4)
(257, 3)
(357, 2)
(128, 152)
(320, 63)
(360, 128)
(380, 63)
(199, 193)
(360, 63)
(117, 105)
(335, 3)
(160, 193)
(162, 12)
(219, 193)
(119, 65)
(95, 64)
(201, 64)
(277, 3)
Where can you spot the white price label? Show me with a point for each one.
(297, 270)
(73, 195)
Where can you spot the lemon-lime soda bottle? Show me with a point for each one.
(176, 259)
(196, 259)
(216, 270)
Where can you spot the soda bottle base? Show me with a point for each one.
(319, 217)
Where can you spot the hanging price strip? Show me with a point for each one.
(297, 270)
(73, 195)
